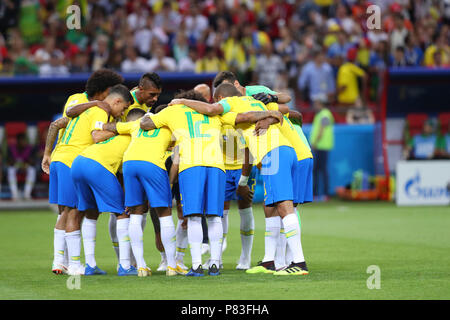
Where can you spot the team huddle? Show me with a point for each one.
(117, 152)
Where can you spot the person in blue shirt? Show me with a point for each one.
(317, 76)
(423, 146)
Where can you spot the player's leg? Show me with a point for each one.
(214, 208)
(181, 230)
(158, 242)
(59, 265)
(125, 267)
(136, 201)
(89, 235)
(192, 182)
(112, 226)
(247, 225)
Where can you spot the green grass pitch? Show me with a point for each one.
(411, 246)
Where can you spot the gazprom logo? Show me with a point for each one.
(415, 190)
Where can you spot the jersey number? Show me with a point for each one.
(145, 134)
(194, 128)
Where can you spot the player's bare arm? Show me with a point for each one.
(208, 109)
(173, 173)
(255, 116)
(101, 135)
(283, 97)
(295, 115)
(78, 109)
(110, 126)
(147, 123)
(60, 123)
(243, 189)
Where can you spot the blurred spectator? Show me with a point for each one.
(143, 38)
(80, 63)
(234, 53)
(347, 81)
(195, 23)
(360, 114)
(55, 66)
(278, 15)
(181, 47)
(132, 62)
(211, 62)
(188, 62)
(441, 47)
(322, 142)
(424, 145)
(21, 160)
(9, 11)
(137, 19)
(398, 58)
(160, 62)
(289, 50)
(168, 20)
(269, 67)
(413, 52)
(43, 55)
(444, 144)
(100, 53)
(399, 34)
(317, 77)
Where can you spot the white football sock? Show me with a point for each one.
(73, 240)
(195, 238)
(181, 241)
(271, 237)
(215, 230)
(168, 239)
(59, 245)
(247, 233)
(112, 224)
(137, 239)
(225, 223)
(89, 232)
(280, 256)
(293, 237)
(29, 183)
(124, 242)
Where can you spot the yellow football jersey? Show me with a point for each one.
(74, 99)
(148, 146)
(259, 146)
(232, 148)
(198, 136)
(135, 105)
(288, 130)
(108, 153)
(78, 135)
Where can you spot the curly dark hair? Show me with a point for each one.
(160, 107)
(222, 76)
(153, 77)
(101, 80)
(191, 95)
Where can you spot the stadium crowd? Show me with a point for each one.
(297, 44)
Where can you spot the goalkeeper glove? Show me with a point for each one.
(265, 98)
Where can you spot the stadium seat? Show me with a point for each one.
(444, 121)
(339, 117)
(308, 116)
(414, 123)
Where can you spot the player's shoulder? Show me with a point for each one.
(77, 98)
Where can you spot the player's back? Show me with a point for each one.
(198, 136)
(145, 145)
(289, 131)
(260, 145)
(108, 153)
(78, 134)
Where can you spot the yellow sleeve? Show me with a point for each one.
(272, 106)
(126, 127)
(358, 71)
(98, 117)
(229, 118)
(160, 119)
